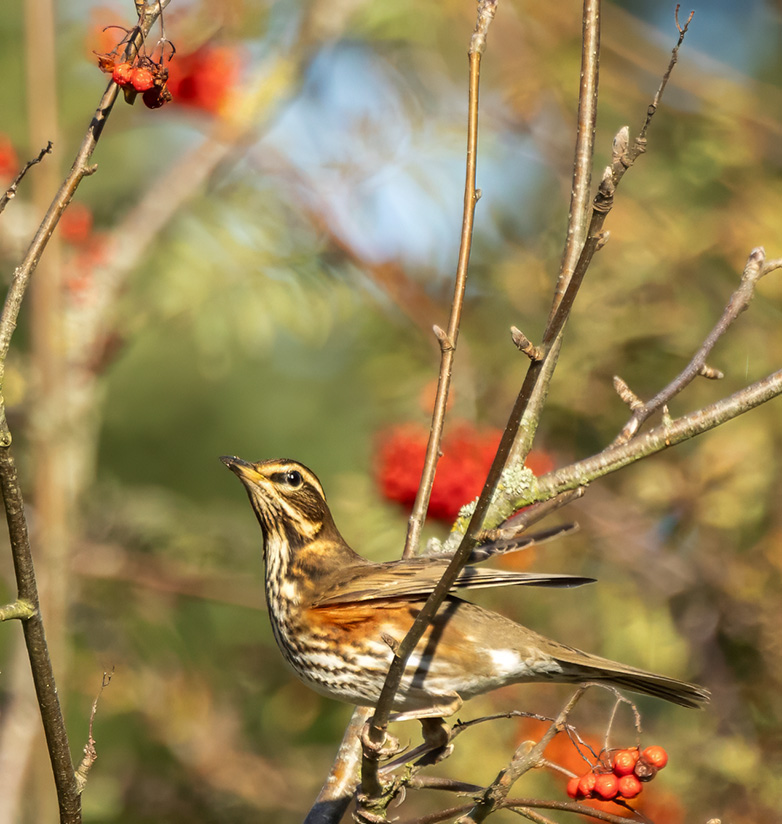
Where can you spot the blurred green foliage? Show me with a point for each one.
(284, 310)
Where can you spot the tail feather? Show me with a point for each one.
(648, 683)
(582, 666)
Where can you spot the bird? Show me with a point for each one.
(338, 617)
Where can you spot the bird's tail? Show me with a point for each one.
(581, 666)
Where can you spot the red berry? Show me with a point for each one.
(656, 756)
(572, 786)
(586, 784)
(624, 762)
(142, 78)
(629, 786)
(606, 786)
(122, 74)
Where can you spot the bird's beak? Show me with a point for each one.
(246, 472)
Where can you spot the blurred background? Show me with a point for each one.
(255, 269)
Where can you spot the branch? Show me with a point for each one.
(20, 609)
(523, 803)
(580, 189)
(90, 751)
(337, 792)
(754, 270)
(448, 340)
(524, 759)
(660, 438)
(37, 649)
(81, 168)
(524, 410)
(10, 192)
(376, 732)
(628, 448)
(68, 792)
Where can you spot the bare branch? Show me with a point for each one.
(35, 639)
(376, 732)
(342, 780)
(90, 751)
(10, 192)
(448, 340)
(739, 301)
(68, 792)
(525, 758)
(661, 437)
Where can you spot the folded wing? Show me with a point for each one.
(416, 578)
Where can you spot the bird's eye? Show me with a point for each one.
(293, 478)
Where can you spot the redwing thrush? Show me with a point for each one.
(336, 615)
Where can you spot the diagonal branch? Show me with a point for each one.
(581, 187)
(68, 790)
(379, 723)
(739, 301)
(10, 192)
(448, 339)
(524, 759)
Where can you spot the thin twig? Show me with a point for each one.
(661, 437)
(377, 728)
(671, 431)
(80, 169)
(451, 785)
(20, 610)
(68, 794)
(524, 759)
(90, 750)
(35, 640)
(10, 192)
(526, 424)
(526, 803)
(448, 340)
(739, 301)
(531, 815)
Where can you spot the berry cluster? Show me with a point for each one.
(143, 76)
(622, 777)
(467, 456)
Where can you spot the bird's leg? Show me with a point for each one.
(389, 747)
(436, 733)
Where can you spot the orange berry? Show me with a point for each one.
(606, 786)
(656, 756)
(586, 784)
(624, 762)
(122, 74)
(572, 786)
(629, 786)
(142, 78)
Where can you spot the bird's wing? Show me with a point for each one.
(503, 546)
(416, 578)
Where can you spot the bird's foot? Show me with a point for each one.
(436, 746)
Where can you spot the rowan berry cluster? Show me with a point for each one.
(620, 776)
(467, 456)
(142, 76)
